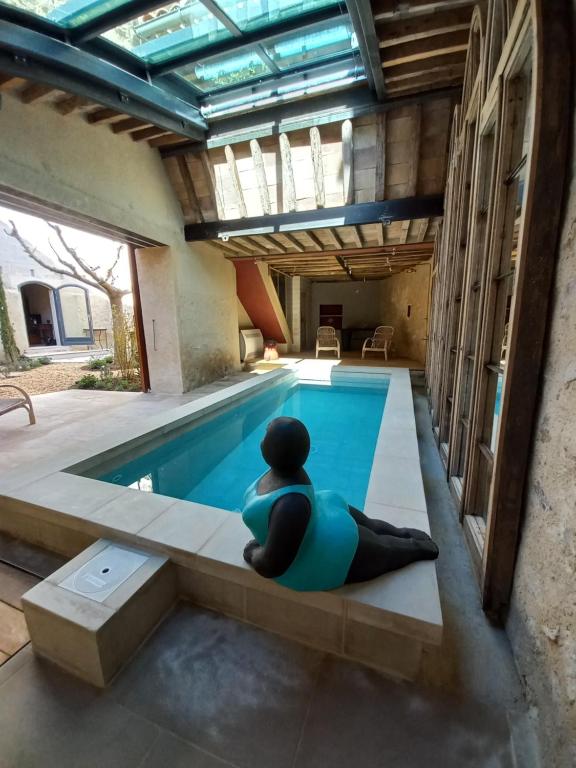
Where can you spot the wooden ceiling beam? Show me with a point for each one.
(271, 242)
(69, 104)
(167, 141)
(317, 166)
(235, 179)
(338, 244)
(380, 170)
(436, 64)
(34, 91)
(415, 85)
(393, 9)
(406, 30)
(260, 173)
(288, 185)
(405, 231)
(347, 162)
(318, 244)
(414, 155)
(233, 248)
(421, 230)
(127, 125)
(149, 133)
(292, 240)
(214, 192)
(439, 45)
(410, 250)
(103, 115)
(189, 188)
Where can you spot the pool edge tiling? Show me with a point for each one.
(384, 623)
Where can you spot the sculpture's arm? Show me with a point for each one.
(287, 525)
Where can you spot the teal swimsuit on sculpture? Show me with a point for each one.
(329, 544)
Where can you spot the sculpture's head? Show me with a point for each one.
(286, 445)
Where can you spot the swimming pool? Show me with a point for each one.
(214, 461)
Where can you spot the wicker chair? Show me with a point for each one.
(326, 340)
(380, 342)
(22, 400)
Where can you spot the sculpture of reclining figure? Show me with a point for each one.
(308, 540)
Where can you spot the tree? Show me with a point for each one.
(76, 267)
(6, 330)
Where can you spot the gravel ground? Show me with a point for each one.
(47, 378)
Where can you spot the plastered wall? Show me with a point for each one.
(542, 619)
(88, 170)
(396, 294)
(360, 304)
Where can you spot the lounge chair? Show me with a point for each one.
(380, 342)
(326, 340)
(22, 400)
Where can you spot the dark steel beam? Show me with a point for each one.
(343, 216)
(35, 56)
(362, 18)
(233, 44)
(302, 113)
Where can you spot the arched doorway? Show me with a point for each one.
(38, 303)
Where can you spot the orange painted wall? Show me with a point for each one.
(256, 301)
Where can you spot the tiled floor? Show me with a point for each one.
(33, 564)
(207, 691)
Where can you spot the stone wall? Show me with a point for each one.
(87, 170)
(542, 618)
(398, 292)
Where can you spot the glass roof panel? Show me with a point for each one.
(176, 28)
(326, 77)
(221, 71)
(67, 13)
(312, 44)
(252, 14)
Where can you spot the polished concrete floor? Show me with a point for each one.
(208, 691)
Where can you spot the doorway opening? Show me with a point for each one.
(39, 313)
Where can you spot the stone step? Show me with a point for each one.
(64, 354)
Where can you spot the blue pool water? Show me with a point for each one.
(214, 462)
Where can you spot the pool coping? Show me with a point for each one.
(210, 542)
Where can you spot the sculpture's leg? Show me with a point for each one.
(379, 554)
(383, 528)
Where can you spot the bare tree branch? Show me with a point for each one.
(31, 252)
(74, 254)
(109, 276)
(69, 268)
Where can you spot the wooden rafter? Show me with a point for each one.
(127, 125)
(149, 133)
(407, 30)
(318, 168)
(213, 190)
(235, 179)
(186, 177)
(288, 185)
(69, 104)
(440, 45)
(260, 173)
(380, 171)
(347, 162)
(103, 115)
(34, 91)
(414, 162)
